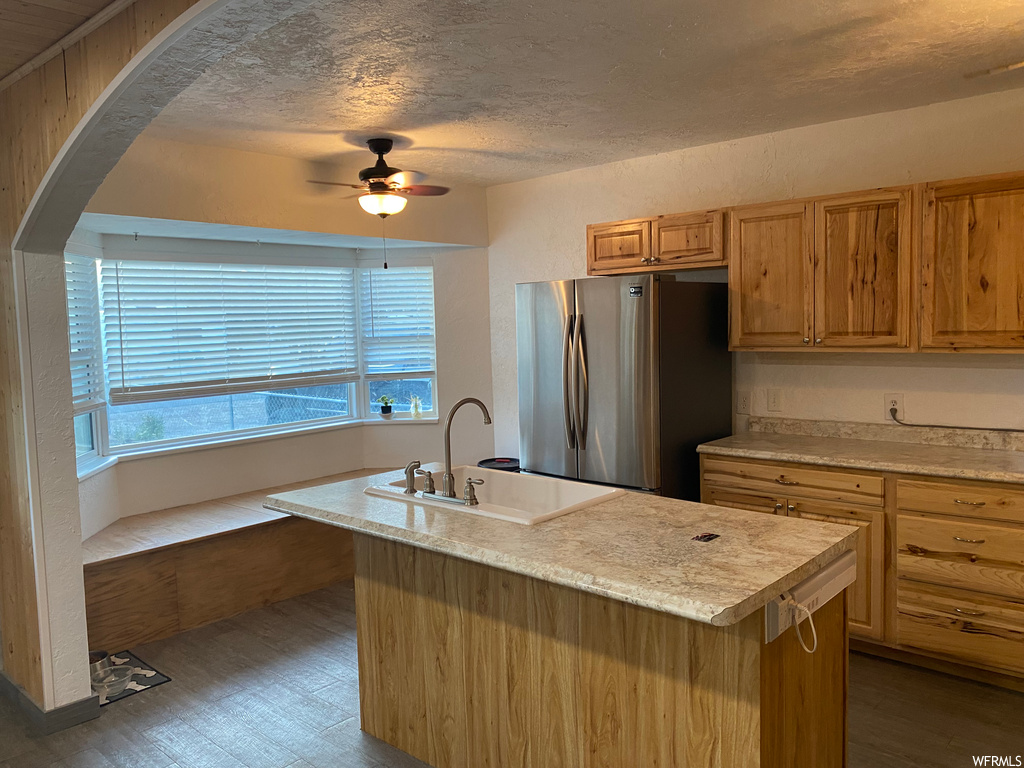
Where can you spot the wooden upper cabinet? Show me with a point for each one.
(972, 264)
(623, 246)
(661, 244)
(771, 275)
(862, 258)
(688, 240)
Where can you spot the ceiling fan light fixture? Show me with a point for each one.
(382, 204)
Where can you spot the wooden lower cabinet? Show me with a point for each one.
(962, 625)
(940, 563)
(866, 596)
(753, 502)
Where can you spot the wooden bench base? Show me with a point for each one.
(151, 576)
(157, 594)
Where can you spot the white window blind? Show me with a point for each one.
(397, 322)
(87, 383)
(177, 330)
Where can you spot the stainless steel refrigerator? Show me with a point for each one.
(620, 378)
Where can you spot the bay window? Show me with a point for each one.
(175, 352)
(397, 336)
(88, 390)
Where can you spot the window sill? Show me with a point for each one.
(95, 466)
(129, 454)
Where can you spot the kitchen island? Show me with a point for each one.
(606, 637)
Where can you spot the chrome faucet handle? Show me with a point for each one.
(410, 478)
(428, 480)
(469, 495)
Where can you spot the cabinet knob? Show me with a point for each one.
(817, 341)
(791, 508)
(644, 260)
(779, 505)
(806, 340)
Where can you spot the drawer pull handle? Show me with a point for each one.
(969, 613)
(969, 541)
(779, 505)
(969, 503)
(781, 480)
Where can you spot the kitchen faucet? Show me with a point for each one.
(448, 481)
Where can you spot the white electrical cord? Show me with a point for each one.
(799, 634)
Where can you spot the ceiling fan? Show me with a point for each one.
(383, 187)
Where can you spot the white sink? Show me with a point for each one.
(516, 498)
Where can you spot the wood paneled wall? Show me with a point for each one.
(37, 114)
(463, 665)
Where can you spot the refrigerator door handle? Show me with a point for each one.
(580, 385)
(567, 382)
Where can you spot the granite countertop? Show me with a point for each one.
(634, 547)
(885, 456)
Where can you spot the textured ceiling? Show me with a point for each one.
(487, 92)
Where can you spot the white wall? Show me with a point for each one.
(144, 484)
(42, 321)
(537, 232)
(99, 501)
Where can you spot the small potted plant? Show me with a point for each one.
(385, 406)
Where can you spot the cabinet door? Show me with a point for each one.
(770, 275)
(753, 502)
(623, 246)
(972, 264)
(688, 240)
(862, 252)
(866, 595)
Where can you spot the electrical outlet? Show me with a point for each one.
(774, 400)
(894, 401)
(743, 402)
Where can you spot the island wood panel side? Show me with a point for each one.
(803, 696)
(544, 675)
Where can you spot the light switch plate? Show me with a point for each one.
(774, 400)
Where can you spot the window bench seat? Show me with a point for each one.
(151, 576)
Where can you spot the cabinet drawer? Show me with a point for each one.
(961, 553)
(793, 481)
(730, 497)
(987, 502)
(978, 629)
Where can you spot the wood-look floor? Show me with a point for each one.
(277, 687)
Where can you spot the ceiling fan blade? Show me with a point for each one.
(406, 178)
(336, 184)
(424, 190)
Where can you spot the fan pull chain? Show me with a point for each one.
(384, 239)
